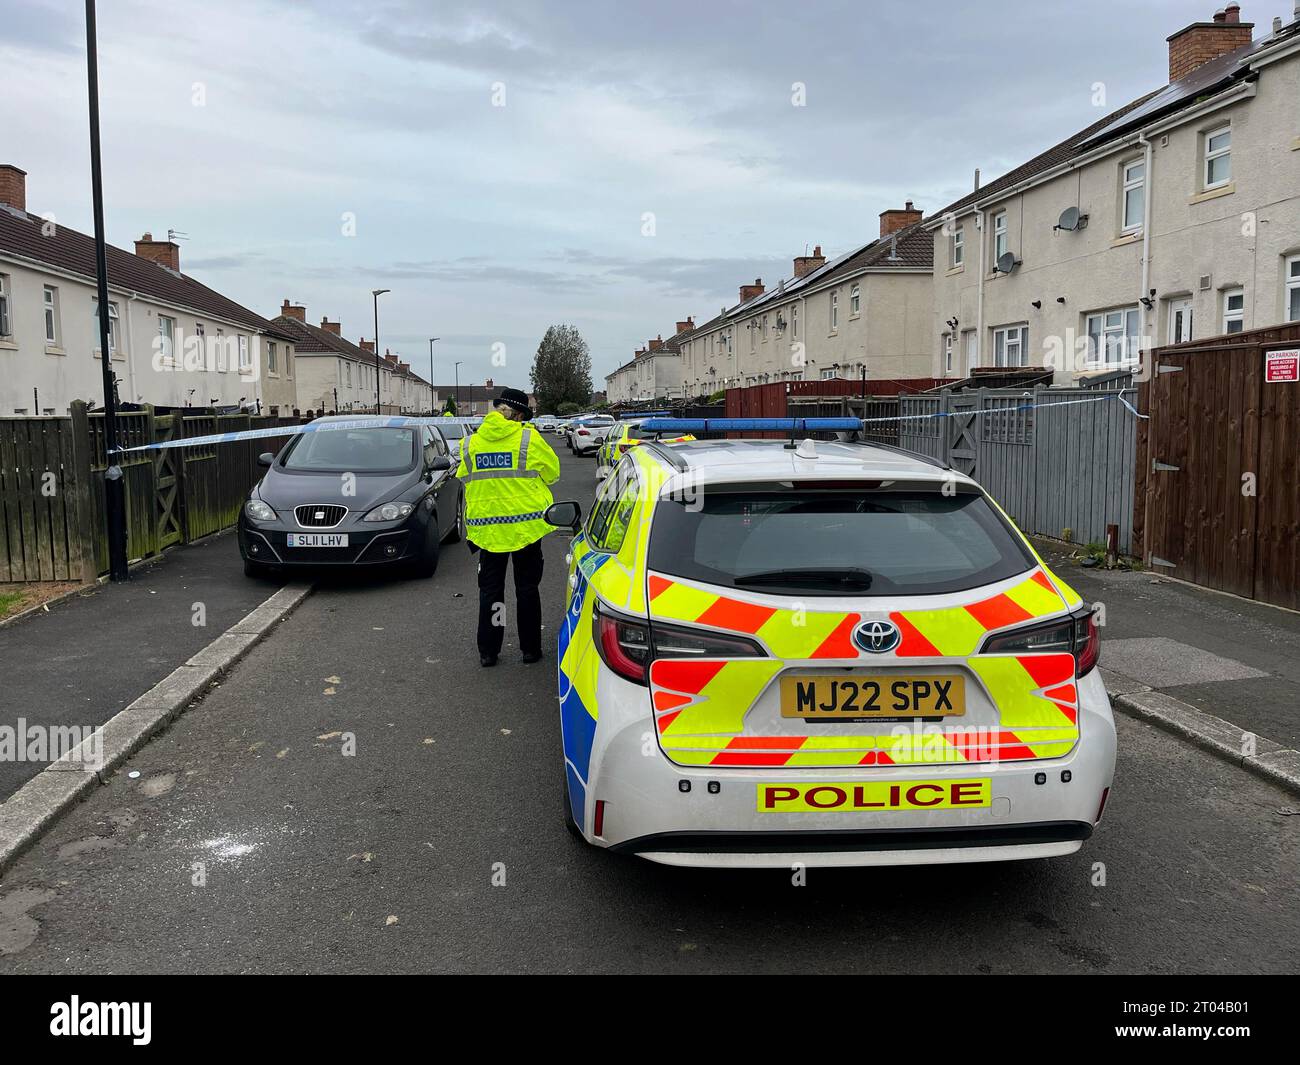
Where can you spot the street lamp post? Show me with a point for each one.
(376, 293)
(432, 341)
(114, 487)
(458, 413)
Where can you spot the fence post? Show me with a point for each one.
(77, 487)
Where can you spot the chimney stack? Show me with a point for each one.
(806, 264)
(657, 343)
(893, 220)
(368, 346)
(293, 310)
(331, 327)
(390, 358)
(686, 326)
(13, 186)
(749, 292)
(1195, 45)
(163, 252)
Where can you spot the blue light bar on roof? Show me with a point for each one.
(751, 425)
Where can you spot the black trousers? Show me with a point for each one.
(528, 600)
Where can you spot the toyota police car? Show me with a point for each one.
(835, 653)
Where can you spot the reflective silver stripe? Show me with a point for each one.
(505, 519)
(522, 471)
(483, 474)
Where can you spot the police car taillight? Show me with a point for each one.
(624, 644)
(1076, 634)
(674, 641)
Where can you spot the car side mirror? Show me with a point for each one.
(440, 463)
(565, 515)
(266, 459)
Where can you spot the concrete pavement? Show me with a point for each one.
(93, 654)
(253, 841)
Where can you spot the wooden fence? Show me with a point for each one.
(1218, 499)
(52, 517)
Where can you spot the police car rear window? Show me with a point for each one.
(836, 542)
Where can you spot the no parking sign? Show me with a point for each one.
(1282, 366)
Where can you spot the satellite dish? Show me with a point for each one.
(1007, 262)
(1069, 219)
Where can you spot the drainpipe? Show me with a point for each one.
(130, 347)
(1147, 188)
(979, 314)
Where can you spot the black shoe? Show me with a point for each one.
(487, 660)
(530, 659)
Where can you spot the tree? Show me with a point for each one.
(450, 405)
(561, 370)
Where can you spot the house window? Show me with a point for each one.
(201, 345)
(1011, 345)
(270, 357)
(794, 321)
(112, 324)
(1234, 310)
(1000, 244)
(855, 300)
(828, 375)
(958, 249)
(1218, 158)
(166, 336)
(51, 315)
(220, 362)
(1134, 177)
(1113, 336)
(1292, 289)
(947, 354)
(245, 363)
(835, 311)
(6, 321)
(347, 374)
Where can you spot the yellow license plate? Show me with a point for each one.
(873, 795)
(824, 697)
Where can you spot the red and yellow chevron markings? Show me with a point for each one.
(956, 631)
(787, 633)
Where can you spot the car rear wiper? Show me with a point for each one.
(856, 578)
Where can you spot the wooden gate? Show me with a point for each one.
(963, 433)
(1217, 477)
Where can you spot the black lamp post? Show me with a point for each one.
(114, 487)
(376, 293)
(458, 413)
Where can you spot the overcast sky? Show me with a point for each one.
(260, 128)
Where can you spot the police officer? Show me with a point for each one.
(506, 467)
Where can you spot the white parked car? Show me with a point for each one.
(586, 434)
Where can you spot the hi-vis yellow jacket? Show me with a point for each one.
(506, 467)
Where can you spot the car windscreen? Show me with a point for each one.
(353, 450)
(451, 430)
(865, 541)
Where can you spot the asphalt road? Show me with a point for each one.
(386, 860)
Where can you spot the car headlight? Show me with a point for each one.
(259, 511)
(389, 512)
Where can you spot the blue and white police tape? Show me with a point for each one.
(788, 425)
(319, 426)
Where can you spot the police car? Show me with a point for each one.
(627, 434)
(833, 653)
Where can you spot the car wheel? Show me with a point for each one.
(426, 565)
